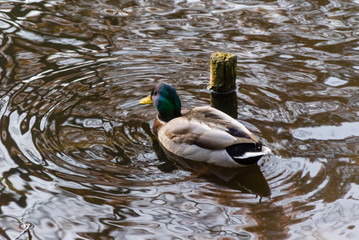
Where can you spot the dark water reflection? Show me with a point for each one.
(77, 156)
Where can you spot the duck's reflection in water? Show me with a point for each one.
(248, 179)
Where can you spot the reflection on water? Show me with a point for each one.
(77, 156)
(345, 130)
(247, 179)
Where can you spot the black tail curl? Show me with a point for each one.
(239, 149)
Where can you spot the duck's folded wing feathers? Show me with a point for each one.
(217, 119)
(193, 131)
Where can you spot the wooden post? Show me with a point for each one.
(223, 67)
(223, 72)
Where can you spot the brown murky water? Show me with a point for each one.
(78, 159)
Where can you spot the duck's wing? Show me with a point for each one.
(218, 120)
(207, 128)
(208, 135)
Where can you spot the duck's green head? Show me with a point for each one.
(165, 98)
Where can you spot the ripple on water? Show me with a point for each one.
(344, 131)
(330, 221)
(73, 136)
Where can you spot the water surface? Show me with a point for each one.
(77, 156)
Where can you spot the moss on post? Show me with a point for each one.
(223, 82)
(223, 72)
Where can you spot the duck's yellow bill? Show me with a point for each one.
(146, 100)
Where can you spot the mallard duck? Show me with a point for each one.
(202, 134)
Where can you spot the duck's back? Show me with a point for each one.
(216, 119)
(205, 127)
(209, 135)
